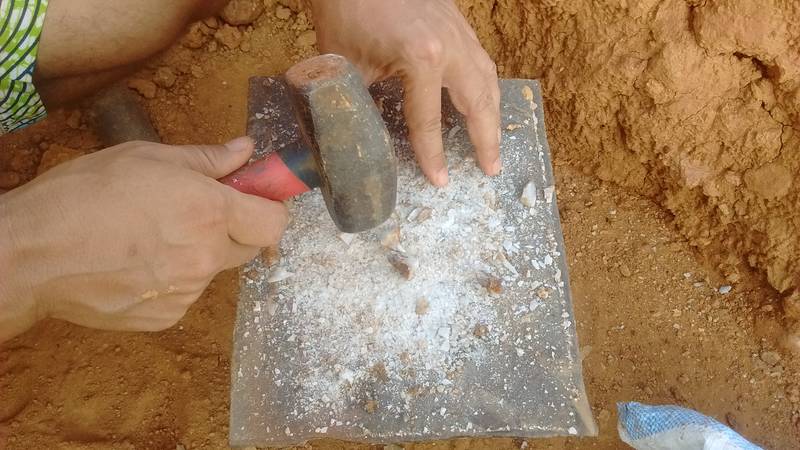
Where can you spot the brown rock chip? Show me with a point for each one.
(242, 12)
(770, 181)
(229, 36)
(145, 88)
(164, 77)
(307, 39)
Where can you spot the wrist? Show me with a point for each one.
(18, 308)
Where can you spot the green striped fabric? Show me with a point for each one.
(20, 27)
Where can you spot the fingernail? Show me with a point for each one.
(240, 144)
(441, 178)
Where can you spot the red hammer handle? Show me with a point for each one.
(270, 178)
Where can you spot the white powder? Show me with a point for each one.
(362, 322)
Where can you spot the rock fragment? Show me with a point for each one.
(242, 12)
(145, 88)
(402, 263)
(278, 274)
(422, 306)
(283, 13)
(229, 36)
(491, 283)
(528, 197)
(306, 38)
(164, 77)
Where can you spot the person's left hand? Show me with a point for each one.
(430, 45)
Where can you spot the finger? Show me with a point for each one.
(239, 254)
(423, 112)
(475, 92)
(214, 161)
(254, 221)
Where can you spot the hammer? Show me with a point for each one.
(345, 148)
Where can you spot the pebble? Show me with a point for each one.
(278, 274)
(195, 37)
(725, 289)
(229, 36)
(164, 77)
(74, 119)
(402, 263)
(625, 270)
(528, 197)
(306, 38)
(283, 13)
(770, 358)
(145, 88)
(242, 12)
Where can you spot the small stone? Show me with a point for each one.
(770, 358)
(402, 263)
(422, 306)
(683, 378)
(528, 197)
(145, 88)
(527, 93)
(211, 22)
(347, 238)
(194, 38)
(306, 38)
(480, 330)
(229, 36)
(724, 290)
(9, 179)
(424, 214)
(278, 274)
(242, 12)
(390, 238)
(603, 415)
(74, 119)
(196, 71)
(491, 283)
(371, 406)
(282, 12)
(543, 293)
(625, 270)
(164, 77)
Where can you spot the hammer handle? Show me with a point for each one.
(280, 176)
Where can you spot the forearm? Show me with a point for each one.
(17, 310)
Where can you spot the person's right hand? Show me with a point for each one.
(127, 238)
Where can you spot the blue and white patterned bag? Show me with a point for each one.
(669, 427)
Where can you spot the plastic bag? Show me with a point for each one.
(670, 427)
(478, 341)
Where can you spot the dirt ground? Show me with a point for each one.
(649, 243)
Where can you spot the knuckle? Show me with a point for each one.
(428, 49)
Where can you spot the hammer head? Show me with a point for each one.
(342, 127)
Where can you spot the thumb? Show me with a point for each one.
(215, 161)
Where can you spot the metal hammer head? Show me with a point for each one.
(343, 129)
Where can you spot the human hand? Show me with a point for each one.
(129, 237)
(430, 45)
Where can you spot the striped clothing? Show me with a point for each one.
(20, 27)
